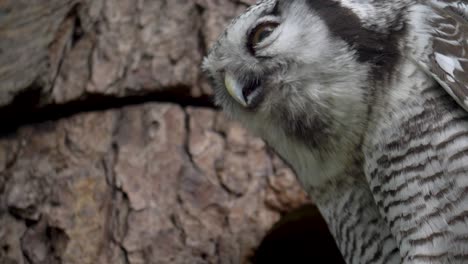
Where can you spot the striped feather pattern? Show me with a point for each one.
(415, 208)
(417, 168)
(362, 235)
(404, 198)
(416, 155)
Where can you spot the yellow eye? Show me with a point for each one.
(259, 34)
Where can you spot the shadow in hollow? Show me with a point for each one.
(300, 236)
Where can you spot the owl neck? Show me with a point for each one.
(353, 218)
(313, 167)
(338, 187)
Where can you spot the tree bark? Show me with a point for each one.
(154, 183)
(92, 172)
(62, 51)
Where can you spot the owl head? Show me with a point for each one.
(299, 70)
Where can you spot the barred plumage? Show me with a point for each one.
(419, 178)
(360, 98)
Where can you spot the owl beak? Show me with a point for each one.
(234, 89)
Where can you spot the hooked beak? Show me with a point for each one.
(234, 89)
(246, 93)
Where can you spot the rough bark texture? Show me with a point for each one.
(154, 183)
(110, 178)
(67, 50)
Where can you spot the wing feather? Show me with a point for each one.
(448, 61)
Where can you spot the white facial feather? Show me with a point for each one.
(324, 82)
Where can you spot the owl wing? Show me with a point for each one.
(447, 62)
(417, 164)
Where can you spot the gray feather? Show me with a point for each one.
(358, 97)
(448, 61)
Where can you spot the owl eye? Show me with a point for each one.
(259, 34)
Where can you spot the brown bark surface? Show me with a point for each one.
(67, 50)
(155, 183)
(110, 148)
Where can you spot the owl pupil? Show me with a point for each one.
(259, 34)
(264, 34)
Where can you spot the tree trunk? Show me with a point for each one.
(111, 151)
(153, 183)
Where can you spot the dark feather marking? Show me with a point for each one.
(341, 226)
(365, 234)
(353, 248)
(440, 44)
(441, 210)
(377, 255)
(429, 239)
(459, 218)
(424, 115)
(364, 246)
(429, 258)
(404, 217)
(407, 201)
(450, 34)
(399, 188)
(447, 207)
(431, 178)
(461, 238)
(387, 258)
(462, 153)
(455, 121)
(407, 232)
(347, 232)
(379, 49)
(357, 222)
(440, 193)
(461, 170)
(461, 256)
(376, 189)
(407, 217)
(412, 168)
(451, 139)
(411, 151)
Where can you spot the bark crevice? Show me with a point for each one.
(22, 110)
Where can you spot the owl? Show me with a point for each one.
(366, 100)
